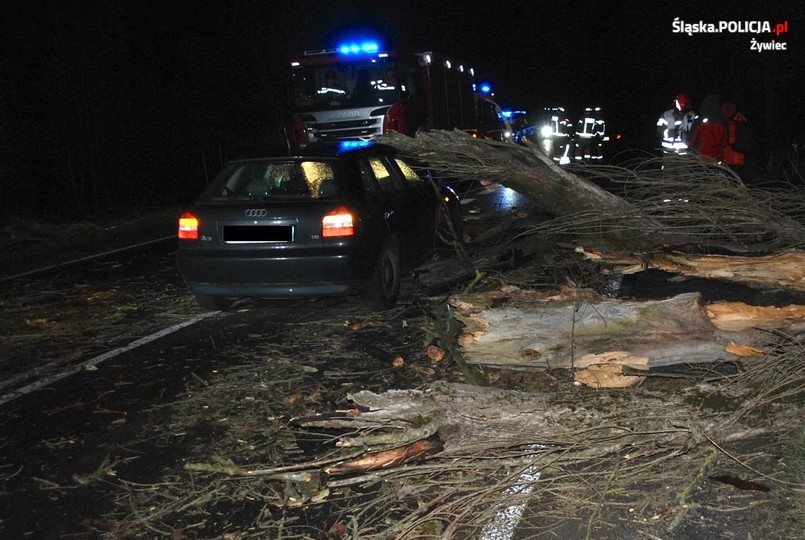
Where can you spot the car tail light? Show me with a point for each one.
(188, 226)
(338, 223)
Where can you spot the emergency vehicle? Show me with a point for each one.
(359, 90)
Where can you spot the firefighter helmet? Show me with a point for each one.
(682, 102)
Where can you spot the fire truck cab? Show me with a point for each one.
(358, 91)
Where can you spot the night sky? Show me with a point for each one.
(133, 104)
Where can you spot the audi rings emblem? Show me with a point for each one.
(256, 212)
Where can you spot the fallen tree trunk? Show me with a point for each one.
(472, 420)
(531, 173)
(558, 192)
(784, 270)
(672, 201)
(513, 327)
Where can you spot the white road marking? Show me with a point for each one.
(504, 524)
(93, 362)
(87, 258)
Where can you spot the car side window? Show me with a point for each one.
(410, 174)
(382, 173)
(367, 177)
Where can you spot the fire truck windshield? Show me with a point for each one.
(356, 83)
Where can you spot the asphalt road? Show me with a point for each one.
(99, 335)
(75, 404)
(101, 344)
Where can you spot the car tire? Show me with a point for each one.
(213, 303)
(384, 286)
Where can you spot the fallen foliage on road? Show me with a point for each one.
(361, 430)
(272, 448)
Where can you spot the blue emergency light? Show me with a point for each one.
(486, 88)
(362, 47)
(346, 146)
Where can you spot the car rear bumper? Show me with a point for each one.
(277, 290)
(287, 277)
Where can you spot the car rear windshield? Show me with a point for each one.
(269, 179)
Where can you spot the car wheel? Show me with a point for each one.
(384, 287)
(214, 303)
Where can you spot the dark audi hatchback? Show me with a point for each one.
(340, 220)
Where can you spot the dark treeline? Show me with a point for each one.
(131, 104)
(119, 106)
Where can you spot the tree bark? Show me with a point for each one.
(784, 270)
(475, 419)
(513, 327)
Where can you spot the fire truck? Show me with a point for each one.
(358, 90)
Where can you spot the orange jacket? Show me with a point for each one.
(709, 139)
(732, 156)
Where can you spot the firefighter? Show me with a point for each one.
(709, 135)
(331, 84)
(590, 135)
(739, 139)
(674, 126)
(557, 133)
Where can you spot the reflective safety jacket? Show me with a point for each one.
(590, 125)
(673, 128)
(559, 123)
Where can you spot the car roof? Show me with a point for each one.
(326, 150)
(344, 147)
